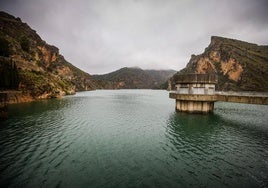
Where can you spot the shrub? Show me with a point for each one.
(4, 47)
(25, 44)
(9, 75)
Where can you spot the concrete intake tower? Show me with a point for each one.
(195, 93)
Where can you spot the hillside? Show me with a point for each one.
(134, 78)
(241, 66)
(35, 68)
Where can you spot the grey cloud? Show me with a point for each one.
(101, 36)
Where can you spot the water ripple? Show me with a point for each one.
(132, 138)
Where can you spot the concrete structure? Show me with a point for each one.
(200, 84)
(195, 93)
(243, 97)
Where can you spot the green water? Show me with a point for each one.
(132, 138)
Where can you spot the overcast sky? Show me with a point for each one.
(100, 36)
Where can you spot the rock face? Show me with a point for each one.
(35, 68)
(134, 78)
(240, 66)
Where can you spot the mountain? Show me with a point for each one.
(134, 78)
(35, 68)
(240, 66)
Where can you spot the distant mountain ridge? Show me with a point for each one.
(35, 68)
(134, 78)
(240, 66)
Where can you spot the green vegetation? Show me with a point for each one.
(40, 83)
(136, 78)
(9, 75)
(164, 85)
(4, 47)
(25, 43)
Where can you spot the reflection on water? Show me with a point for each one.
(218, 149)
(33, 108)
(132, 138)
(192, 124)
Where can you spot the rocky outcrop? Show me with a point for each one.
(240, 66)
(41, 71)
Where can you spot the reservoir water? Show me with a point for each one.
(132, 138)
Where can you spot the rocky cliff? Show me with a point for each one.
(35, 68)
(134, 78)
(241, 66)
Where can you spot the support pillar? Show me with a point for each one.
(194, 106)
